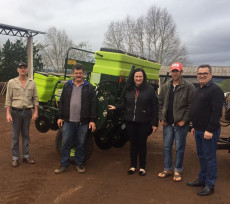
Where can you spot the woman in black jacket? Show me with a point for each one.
(141, 115)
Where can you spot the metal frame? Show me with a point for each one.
(67, 56)
(22, 32)
(17, 31)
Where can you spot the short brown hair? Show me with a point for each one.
(78, 66)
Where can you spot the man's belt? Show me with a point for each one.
(21, 109)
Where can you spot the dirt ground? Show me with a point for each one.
(106, 180)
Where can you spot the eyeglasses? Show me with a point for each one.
(203, 74)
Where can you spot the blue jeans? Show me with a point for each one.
(179, 133)
(20, 125)
(73, 131)
(206, 151)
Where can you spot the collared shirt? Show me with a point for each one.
(206, 107)
(19, 97)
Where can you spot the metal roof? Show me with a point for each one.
(17, 31)
(219, 71)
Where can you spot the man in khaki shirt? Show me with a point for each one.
(21, 97)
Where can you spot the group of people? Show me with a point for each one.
(77, 114)
(179, 104)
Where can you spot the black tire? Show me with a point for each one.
(42, 124)
(120, 138)
(59, 141)
(53, 124)
(88, 148)
(227, 114)
(223, 146)
(103, 139)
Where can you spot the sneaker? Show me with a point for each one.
(60, 170)
(80, 169)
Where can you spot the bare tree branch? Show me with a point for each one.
(153, 36)
(55, 46)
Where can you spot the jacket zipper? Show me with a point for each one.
(136, 96)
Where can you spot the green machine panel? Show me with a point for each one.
(45, 85)
(120, 64)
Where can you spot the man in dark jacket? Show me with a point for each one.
(77, 109)
(174, 114)
(206, 111)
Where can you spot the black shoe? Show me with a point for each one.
(131, 171)
(206, 191)
(196, 183)
(142, 173)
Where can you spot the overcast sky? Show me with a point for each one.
(203, 25)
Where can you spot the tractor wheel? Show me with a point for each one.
(120, 137)
(53, 124)
(89, 145)
(42, 124)
(227, 114)
(102, 139)
(59, 141)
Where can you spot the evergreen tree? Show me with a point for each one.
(12, 54)
(225, 85)
(38, 65)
